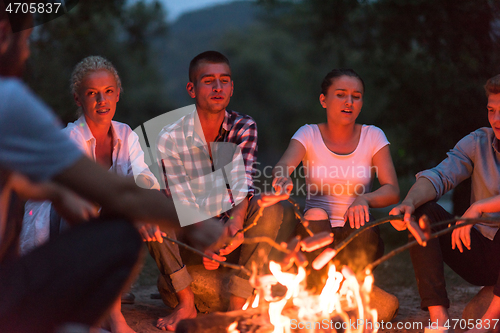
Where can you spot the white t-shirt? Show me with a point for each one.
(334, 181)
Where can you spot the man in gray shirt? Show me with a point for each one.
(76, 277)
(472, 252)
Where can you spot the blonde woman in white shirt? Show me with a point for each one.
(340, 160)
(96, 89)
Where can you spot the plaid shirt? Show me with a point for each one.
(201, 186)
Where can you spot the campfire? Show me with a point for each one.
(281, 303)
(342, 302)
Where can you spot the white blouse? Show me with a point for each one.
(127, 160)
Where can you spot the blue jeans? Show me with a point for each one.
(173, 270)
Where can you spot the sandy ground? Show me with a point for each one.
(142, 315)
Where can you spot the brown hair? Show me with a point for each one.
(335, 74)
(212, 57)
(492, 86)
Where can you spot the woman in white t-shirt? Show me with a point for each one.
(340, 160)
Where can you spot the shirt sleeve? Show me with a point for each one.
(247, 142)
(31, 141)
(77, 138)
(454, 169)
(303, 135)
(137, 164)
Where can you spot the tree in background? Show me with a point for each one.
(119, 31)
(424, 62)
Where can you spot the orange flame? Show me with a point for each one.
(341, 294)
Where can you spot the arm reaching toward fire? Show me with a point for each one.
(462, 235)
(234, 225)
(73, 208)
(120, 196)
(282, 183)
(421, 192)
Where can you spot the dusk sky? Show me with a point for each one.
(176, 8)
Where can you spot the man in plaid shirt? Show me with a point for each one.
(208, 161)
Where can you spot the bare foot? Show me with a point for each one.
(236, 303)
(184, 310)
(115, 321)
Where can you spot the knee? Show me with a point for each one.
(275, 210)
(271, 218)
(430, 209)
(316, 214)
(273, 215)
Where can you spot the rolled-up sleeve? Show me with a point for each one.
(248, 145)
(455, 168)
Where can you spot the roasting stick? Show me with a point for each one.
(260, 239)
(247, 240)
(234, 266)
(298, 214)
(356, 233)
(488, 221)
(270, 241)
(284, 249)
(251, 225)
